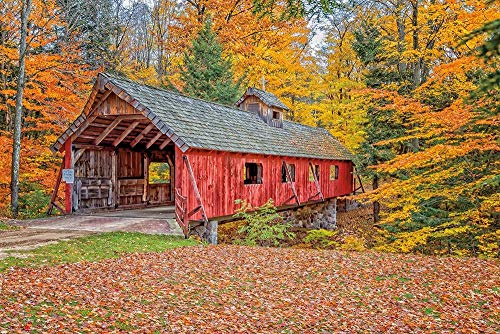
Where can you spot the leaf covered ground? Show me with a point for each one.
(231, 289)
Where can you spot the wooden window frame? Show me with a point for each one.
(276, 113)
(317, 171)
(284, 178)
(252, 105)
(335, 172)
(254, 168)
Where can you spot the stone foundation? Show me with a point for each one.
(315, 216)
(322, 215)
(207, 232)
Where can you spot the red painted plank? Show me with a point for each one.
(69, 187)
(220, 180)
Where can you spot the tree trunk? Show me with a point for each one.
(400, 24)
(417, 68)
(7, 119)
(16, 152)
(376, 204)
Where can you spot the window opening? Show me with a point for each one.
(291, 168)
(334, 172)
(253, 173)
(159, 172)
(316, 170)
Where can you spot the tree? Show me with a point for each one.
(16, 152)
(91, 24)
(443, 198)
(55, 84)
(206, 73)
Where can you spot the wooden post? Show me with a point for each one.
(53, 199)
(290, 181)
(145, 195)
(114, 178)
(172, 178)
(68, 163)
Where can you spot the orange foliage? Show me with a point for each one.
(54, 93)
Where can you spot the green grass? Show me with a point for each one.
(6, 227)
(94, 248)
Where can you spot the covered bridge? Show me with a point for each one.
(216, 153)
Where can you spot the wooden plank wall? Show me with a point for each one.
(97, 186)
(219, 176)
(265, 112)
(113, 105)
(159, 193)
(93, 180)
(131, 178)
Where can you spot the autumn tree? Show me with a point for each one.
(55, 82)
(443, 197)
(92, 24)
(21, 81)
(207, 74)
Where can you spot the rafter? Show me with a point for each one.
(165, 143)
(101, 100)
(142, 134)
(154, 139)
(125, 133)
(107, 131)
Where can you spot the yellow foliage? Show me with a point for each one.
(353, 243)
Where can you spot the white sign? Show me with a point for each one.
(68, 175)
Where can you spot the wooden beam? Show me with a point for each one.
(78, 155)
(313, 170)
(101, 100)
(68, 163)
(154, 139)
(165, 143)
(82, 127)
(195, 189)
(142, 134)
(360, 182)
(107, 131)
(145, 194)
(56, 190)
(114, 179)
(290, 182)
(125, 133)
(172, 177)
(181, 212)
(93, 147)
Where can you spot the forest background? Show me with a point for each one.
(410, 86)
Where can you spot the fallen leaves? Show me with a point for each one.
(230, 289)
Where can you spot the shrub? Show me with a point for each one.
(33, 201)
(321, 239)
(353, 243)
(262, 226)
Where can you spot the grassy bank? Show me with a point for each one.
(93, 248)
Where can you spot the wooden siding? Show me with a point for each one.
(93, 186)
(219, 176)
(105, 179)
(159, 193)
(264, 111)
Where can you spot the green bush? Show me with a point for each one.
(263, 226)
(33, 201)
(321, 238)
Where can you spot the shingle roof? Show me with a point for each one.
(268, 98)
(207, 125)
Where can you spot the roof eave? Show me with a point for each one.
(104, 81)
